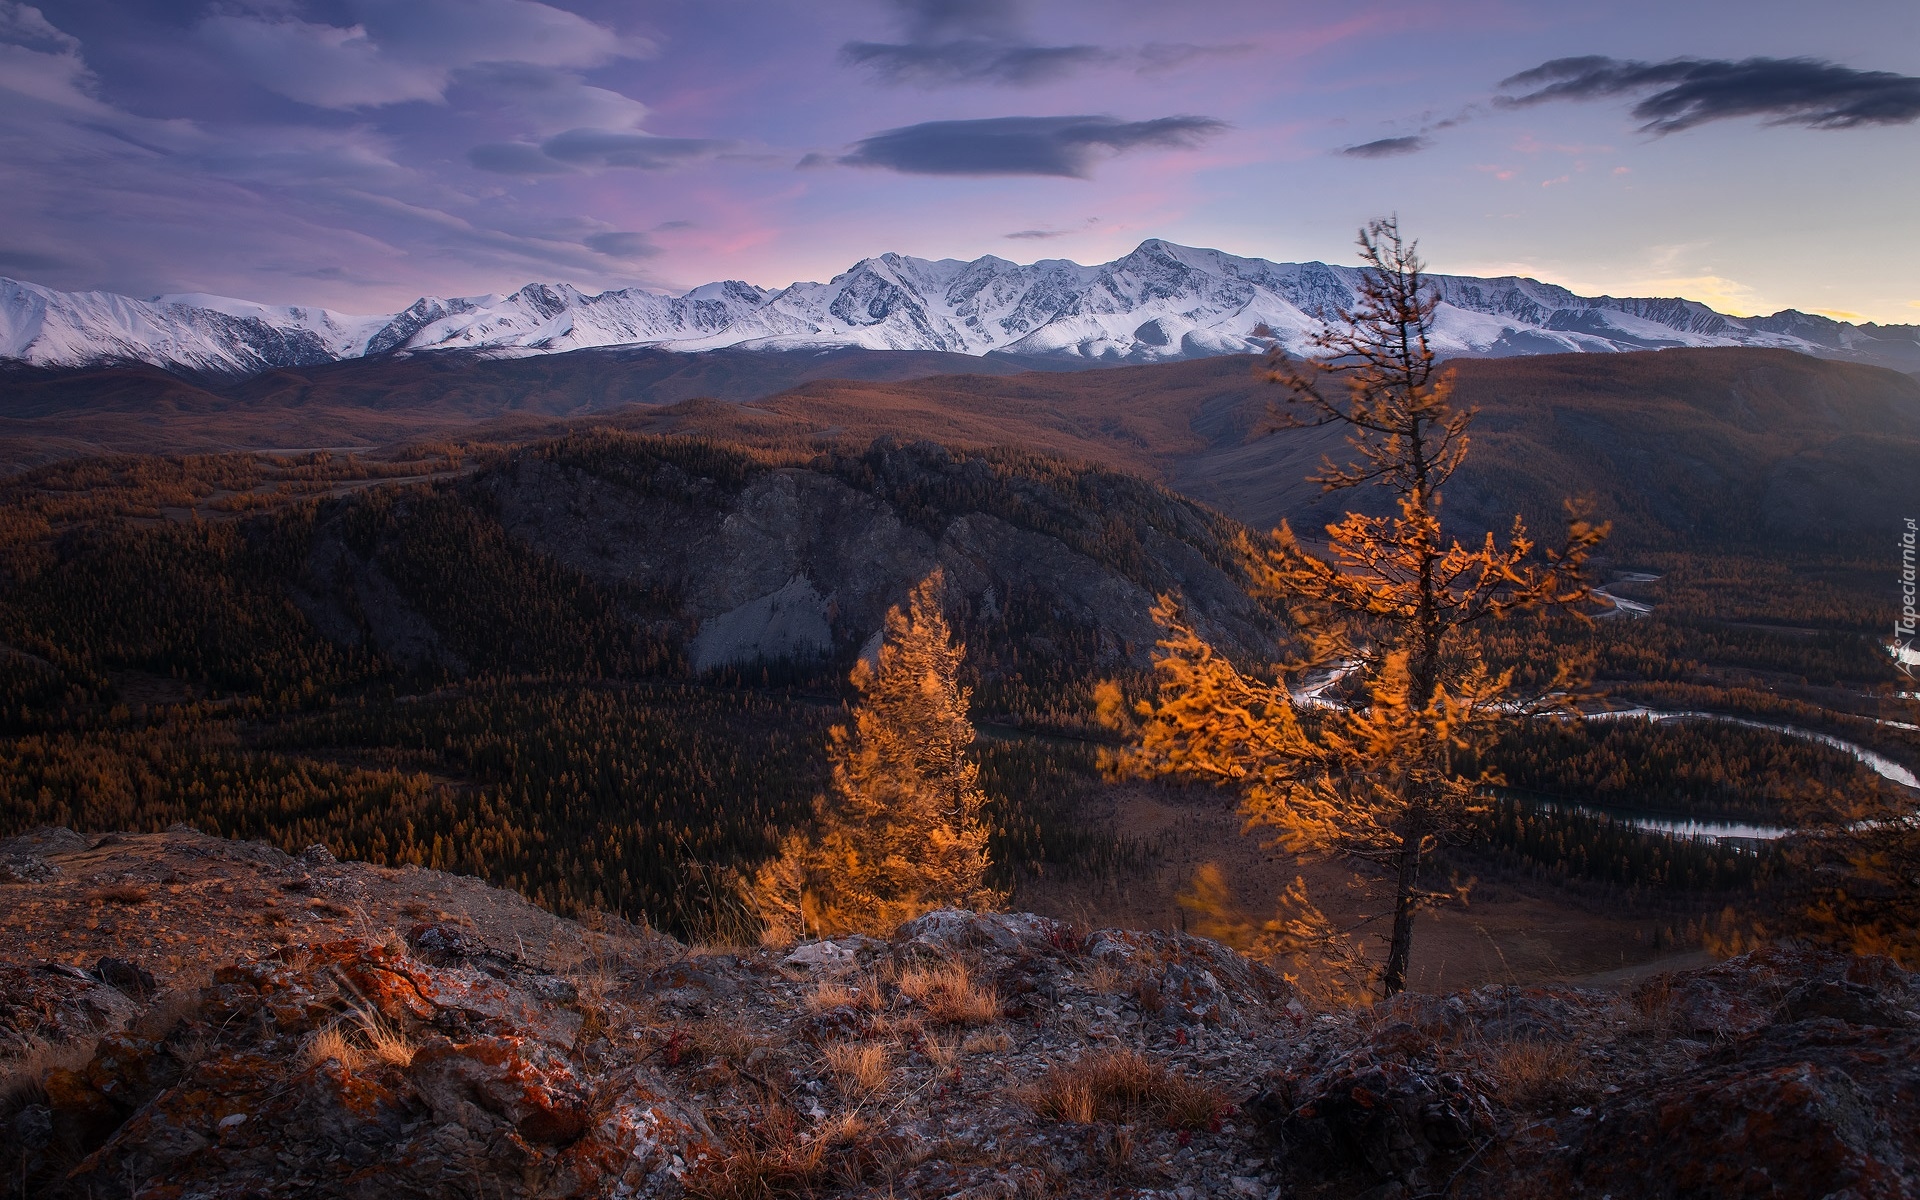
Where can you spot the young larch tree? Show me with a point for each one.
(1389, 603)
(900, 831)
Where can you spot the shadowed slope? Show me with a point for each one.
(1679, 445)
(1725, 445)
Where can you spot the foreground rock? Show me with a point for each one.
(449, 1060)
(1780, 1074)
(968, 1055)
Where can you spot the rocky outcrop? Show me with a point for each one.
(800, 563)
(446, 1064)
(482, 1053)
(466, 1075)
(1781, 1074)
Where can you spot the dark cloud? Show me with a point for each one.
(1021, 145)
(586, 148)
(1688, 91)
(971, 60)
(619, 148)
(622, 245)
(981, 41)
(514, 158)
(966, 41)
(1035, 234)
(1387, 147)
(29, 261)
(392, 51)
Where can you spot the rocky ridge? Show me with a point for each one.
(441, 1052)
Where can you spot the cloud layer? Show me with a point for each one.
(1066, 146)
(395, 51)
(1687, 92)
(360, 153)
(957, 41)
(593, 148)
(969, 60)
(1388, 147)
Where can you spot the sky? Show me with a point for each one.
(358, 154)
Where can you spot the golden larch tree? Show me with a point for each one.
(1854, 879)
(1389, 604)
(900, 831)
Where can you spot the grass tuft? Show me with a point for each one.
(331, 1043)
(770, 1156)
(1529, 1075)
(950, 995)
(1123, 1086)
(859, 1068)
(23, 1076)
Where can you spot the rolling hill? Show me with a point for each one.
(1675, 446)
(1680, 447)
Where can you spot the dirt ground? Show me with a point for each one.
(1500, 934)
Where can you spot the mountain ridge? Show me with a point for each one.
(1160, 302)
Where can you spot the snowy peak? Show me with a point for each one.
(1161, 301)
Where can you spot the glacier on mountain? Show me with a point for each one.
(1162, 301)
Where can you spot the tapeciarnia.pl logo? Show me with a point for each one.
(1905, 657)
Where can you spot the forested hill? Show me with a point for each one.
(1687, 449)
(1682, 449)
(599, 670)
(604, 555)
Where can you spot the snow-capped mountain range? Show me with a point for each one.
(1162, 301)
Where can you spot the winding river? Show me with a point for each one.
(1312, 694)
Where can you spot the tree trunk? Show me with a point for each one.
(1394, 981)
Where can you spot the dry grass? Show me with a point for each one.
(23, 1076)
(388, 1045)
(331, 1043)
(358, 1041)
(858, 1068)
(715, 1038)
(950, 995)
(990, 1041)
(830, 995)
(768, 1156)
(1529, 1075)
(941, 1052)
(1123, 1086)
(121, 893)
(1103, 979)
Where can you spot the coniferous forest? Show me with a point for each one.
(318, 648)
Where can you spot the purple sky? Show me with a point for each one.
(360, 153)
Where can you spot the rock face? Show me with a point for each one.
(758, 564)
(967, 1055)
(1780, 1074)
(469, 1075)
(434, 1068)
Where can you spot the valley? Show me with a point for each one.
(593, 656)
